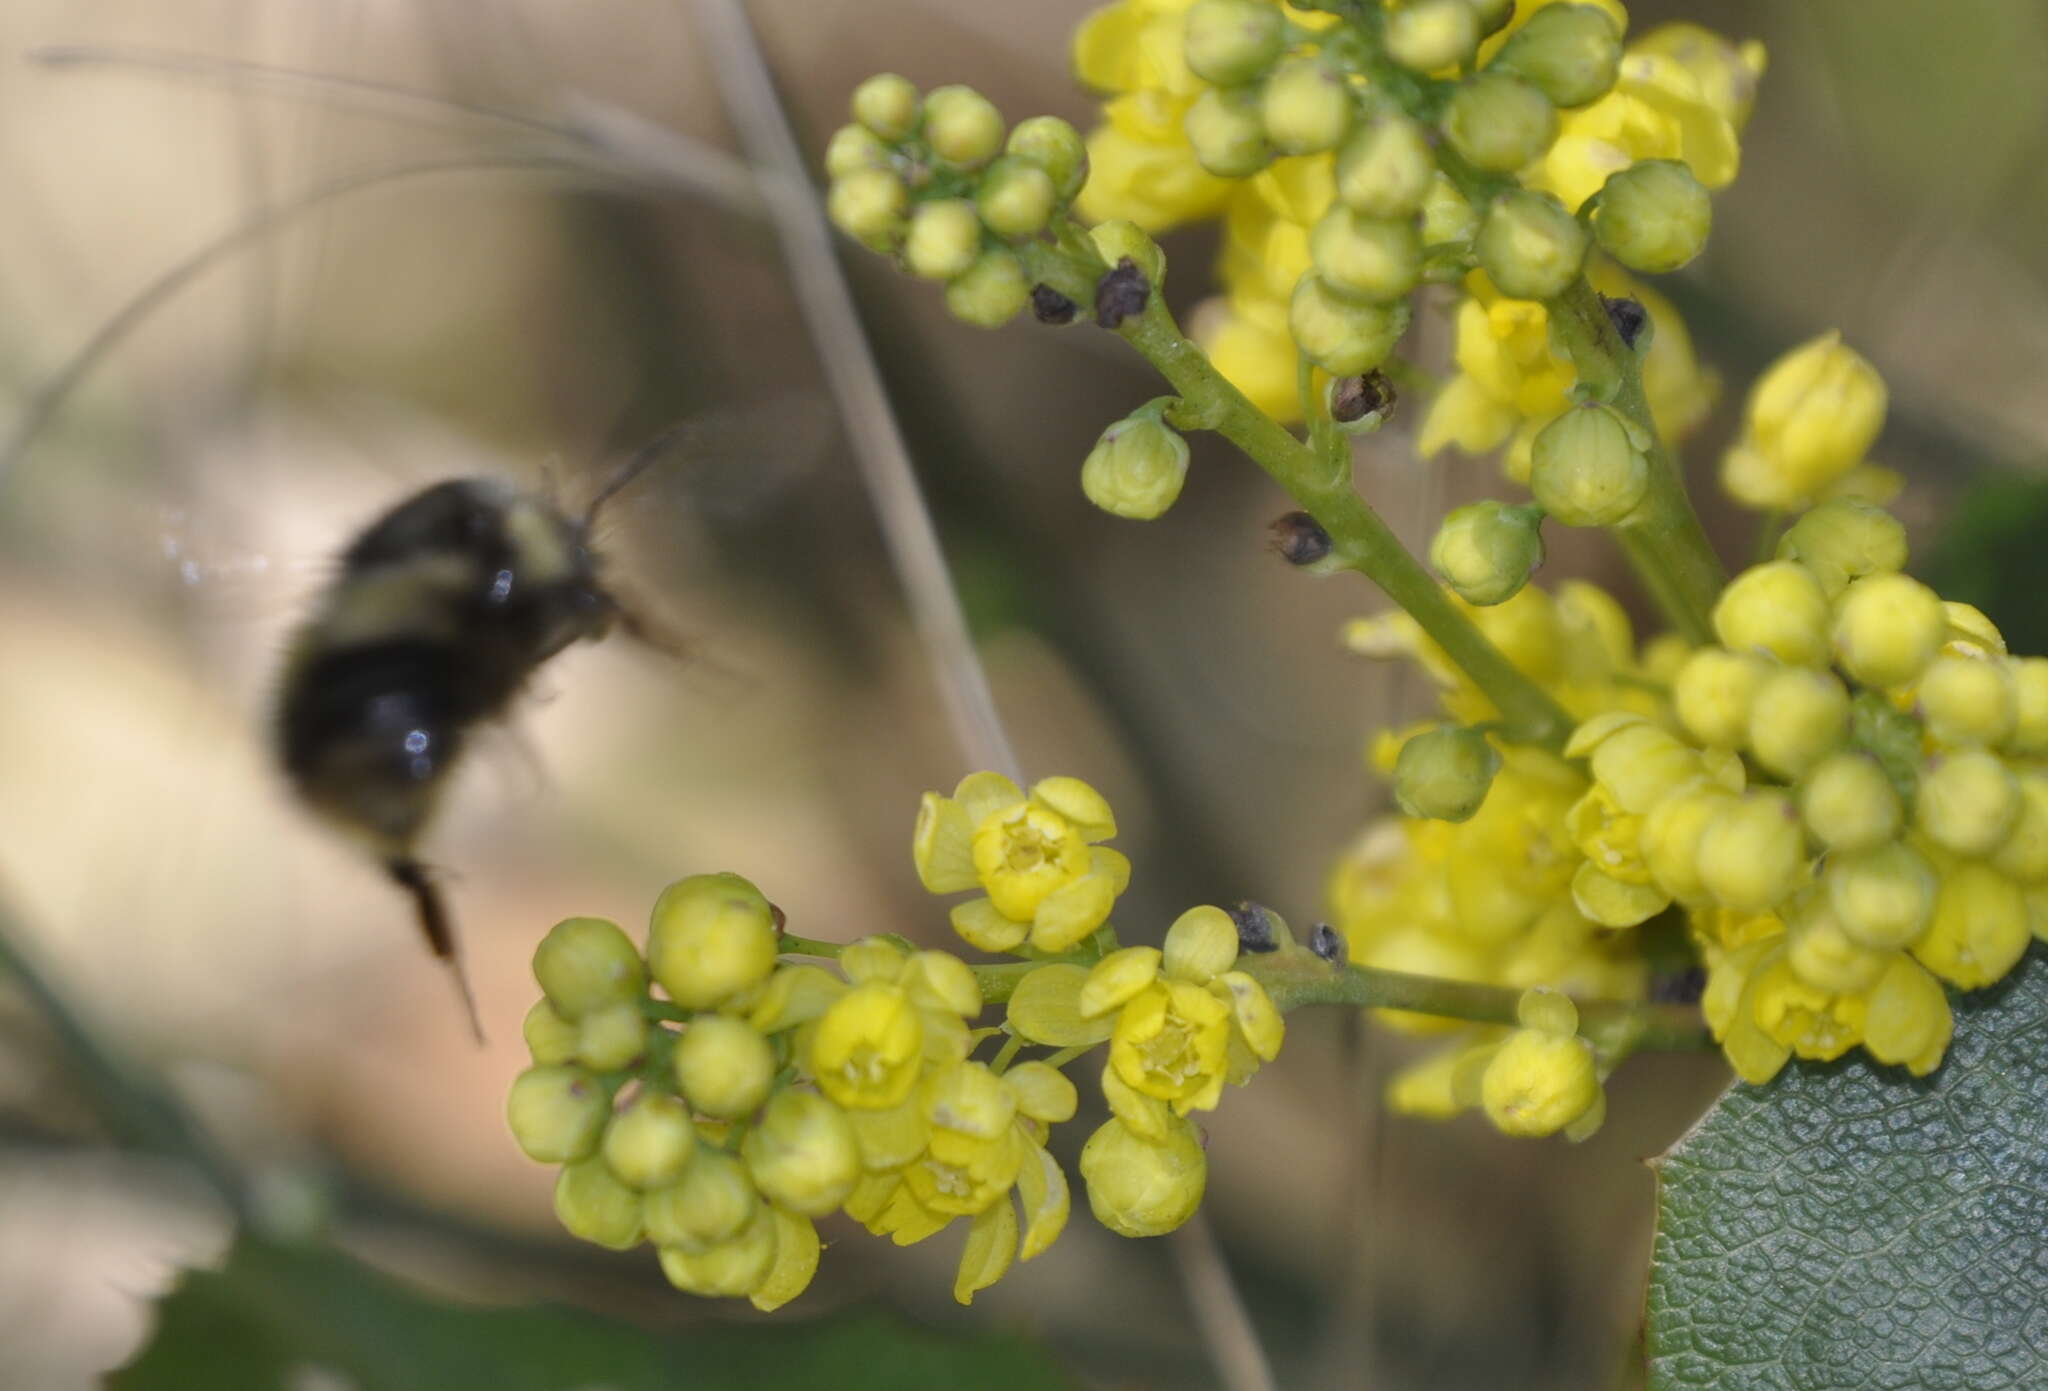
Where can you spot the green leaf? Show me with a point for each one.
(274, 1314)
(1851, 1228)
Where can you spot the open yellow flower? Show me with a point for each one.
(1034, 857)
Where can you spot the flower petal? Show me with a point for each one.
(1201, 945)
(1114, 863)
(984, 928)
(985, 794)
(1252, 1010)
(796, 1261)
(1079, 803)
(1147, 1117)
(1069, 913)
(942, 845)
(1042, 1188)
(1043, 1092)
(1046, 1008)
(991, 1247)
(1117, 978)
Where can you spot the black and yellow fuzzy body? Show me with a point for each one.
(442, 610)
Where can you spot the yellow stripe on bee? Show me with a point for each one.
(418, 597)
(540, 552)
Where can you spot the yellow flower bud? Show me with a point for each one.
(728, 1269)
(2024, 856)
(1585, 470)
(1822, 953)
(870, 205)
(1140, 1188)
(944, 239)
(1054, 146)
(556, 1113)
(1539, 1082)
(1908, 1019)
(1498, 122)
(1967, 700)
(1447, 218)
(869, 1047)
(611, 1038)
(2030, 706)
(1844, 539)
(1810, 419)
(712, 1202)
(962, 126)
(1670, 839)
(1015, 198)
(1307, 106)
(854, 148)
(1386, 168)
(1229, 42)
(1752, 854)
(1570, 53)
(1652, 216)
(1226, 129)
(989, 293)
(887, 105)
(1980, 927)
(713, 935)
(1371, 258)
(1642, 764)
(1799, 716)
(1487, 550)
(1887, 628)
(549, 1037)
(1883, 896)
(1712, 694)
(1444, 774)
(724, 1066)
(1848, 803)
(592, 1204)
(1117, 978)
(1136, 471)
(1778, 608)
(1119, 239)
(1549, 1010)
(802, 1153)
(648, 1143)
(1427, 35)
(1967, 802)
(1342, 336)
(586, 963)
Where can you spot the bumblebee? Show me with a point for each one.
(440, 611)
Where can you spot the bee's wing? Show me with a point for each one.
(731, 463)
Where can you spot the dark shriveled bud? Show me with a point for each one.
(1259, 928)
(1049, 306)
(1299, 538)
(1329, 944)
(1121, 293)
(1628, 317)
(1352, 399)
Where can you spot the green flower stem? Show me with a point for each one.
(1663, 539)
(1004, 1055)
(1299, 977)
(1360, 540)
(793, 945)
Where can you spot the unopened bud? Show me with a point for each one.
(1428, 35)
(1226, 129)
(1498, 122)
(1056, 147)
(869, 206)
(1530, 246)
(1652, 216)
(1368, 257)
(944, 238)
(1443, 774)
(1307, 106)
(962, 126)
(1570, 53)
(1585, 469)
(584, 964)
(1136, 468)
(1229, 42)
(855, 147)
(1342, 336)
(1486, 551)
(1299, 538)
(1386, 168)
(1015, 198)
(713, 935)
(1845, 539)
(1887, 628)
(989, 293)
(887, 105)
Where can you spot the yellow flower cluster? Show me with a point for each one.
(761, 1094)
(1305, 134)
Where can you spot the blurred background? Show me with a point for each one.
(476, 314)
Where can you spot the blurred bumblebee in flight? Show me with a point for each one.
(442, 609)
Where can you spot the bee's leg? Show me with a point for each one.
(439, 928)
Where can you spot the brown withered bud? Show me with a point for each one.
(1121, 293)
(1628, 317)
(1354, 398)
(1049, 306)
(1299, 538)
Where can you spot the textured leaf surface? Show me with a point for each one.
(1848, 1228)
(277, 1318)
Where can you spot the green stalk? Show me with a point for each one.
(1297, 978)
(1663, 538)
(1360, 540)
